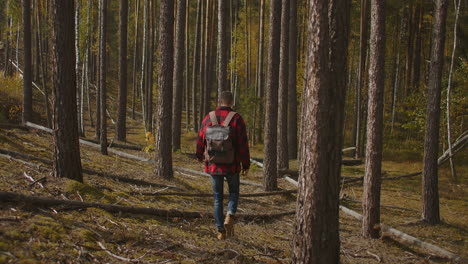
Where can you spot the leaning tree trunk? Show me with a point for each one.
(292, 90)
(323, 114)
(271, 119)
(430, 191)
(178, 81)
(163, 154)
(27, 71)
(67, 161)
(372, 177)
(122, 114)
(102, 74)
(282, 147)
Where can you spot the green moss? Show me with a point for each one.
(87, 191)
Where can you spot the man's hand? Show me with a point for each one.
(244, 172)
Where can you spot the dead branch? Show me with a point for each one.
(117, 145)
(116, 256)
(31, 179)
(8, 197)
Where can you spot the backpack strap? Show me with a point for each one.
(213, 118)
(228, 118)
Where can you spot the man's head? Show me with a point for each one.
(226, 99)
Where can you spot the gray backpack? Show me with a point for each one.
(219, 148)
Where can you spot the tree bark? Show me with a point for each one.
(144, 64)
(430, 191)
(292, 90)
(178, 82)
(163, 154)
(122, 112)
(418, 44)
(271, 109)
(135, 55)
(77, 64)
(260, 76)
(187, 68)
(27, 74)
(372, 177)
(102, 74)
(282, 147)
(67, 161)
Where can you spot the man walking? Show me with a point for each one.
(223, 146)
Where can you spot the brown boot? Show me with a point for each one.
(229, 225)
(221, 235)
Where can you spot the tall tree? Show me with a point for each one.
(122, 114)
(77, 63)
(430, 189)
(196, 62)
(222, 44)
(260, 75)
(144, 65)
(135, 55)
(323, 112)
(283, 155)
(178, 82)
(102, 74)
(271, 119)
(163, 154)
(360, 83)
(27, 72)
(67, 161)
(372, 176)
(292, 92)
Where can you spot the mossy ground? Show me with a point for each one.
(67, 235)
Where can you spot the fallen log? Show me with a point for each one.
(12, 154)
(13, 126)
(409, 240)
(184, 194)
(8, 197)
(139, 158)
(116, 145)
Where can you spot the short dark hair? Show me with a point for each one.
(226, 98)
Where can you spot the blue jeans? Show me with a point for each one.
(217, 182)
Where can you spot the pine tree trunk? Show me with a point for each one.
(195, 66)
(7, 48)
(430, 191)
(271, 120)
(135, 56)
(372, 177)
(187, 68)
(67, 163)
(77, 63)
(362, 68)
(409, 52)
(260, 78)
(282, 147)
(292, 90)
(178, 82)
(323, 115)
(163, 154)
(417, 48)
(222, 44)
(144, 64)
(122, 112)
(27, 71)
(102, 74)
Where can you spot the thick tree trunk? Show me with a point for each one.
(282, 147)
(271, 109)
(178, 82)
(163, 154)
(430, 191)
(196, 68)
(222, 44)
(372, 177)
(122, 112)
(323, 115)
(67, 161)
(102, 74)
(77, 63)
(27, 71)
(292, 90)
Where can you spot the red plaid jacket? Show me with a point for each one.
(240, 142)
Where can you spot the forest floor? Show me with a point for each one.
(62, 234)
